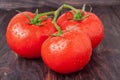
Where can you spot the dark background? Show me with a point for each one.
(105, 61)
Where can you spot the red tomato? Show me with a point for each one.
(26, 39)
(67, 53)
(91, 25)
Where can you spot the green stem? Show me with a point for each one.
(36, 19)
(83, 8)
(77, 15)
(56, 13)
(71, 7)
(46, 13)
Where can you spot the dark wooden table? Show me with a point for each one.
(105, 61)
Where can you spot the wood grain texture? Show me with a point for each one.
(13, 4)
(104, 64)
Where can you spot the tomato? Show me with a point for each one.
(67, 53)
(26, 39)
(91, 25)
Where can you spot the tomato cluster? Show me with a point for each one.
(65, 44)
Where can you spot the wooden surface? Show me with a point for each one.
(105, 61)
(13, 4)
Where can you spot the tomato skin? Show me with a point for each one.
(67, 53)
(26, 39)
(91, 25)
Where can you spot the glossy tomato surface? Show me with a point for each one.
(25, 38)
(67, 53)
(91, 25)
